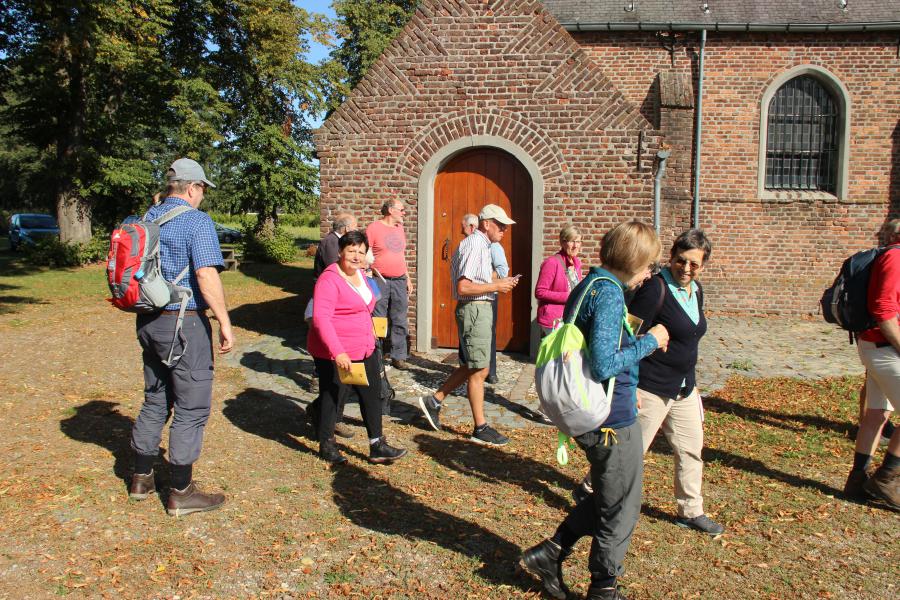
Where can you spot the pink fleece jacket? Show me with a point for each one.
(552, 288)
(341, 321)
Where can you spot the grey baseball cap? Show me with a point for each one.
(185, 169)
(492, 211)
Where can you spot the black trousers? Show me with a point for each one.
(333, 393)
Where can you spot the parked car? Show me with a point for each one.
(28, 228)
(227, 235)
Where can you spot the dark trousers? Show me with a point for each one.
(332, 394)
(610, 514)
(185, 387)
(394, 304)
(492, 370)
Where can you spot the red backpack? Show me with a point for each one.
(135, 276)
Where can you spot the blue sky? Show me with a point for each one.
(317, 52)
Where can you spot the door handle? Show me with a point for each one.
(445, 249)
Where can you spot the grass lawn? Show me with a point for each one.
(447, 522)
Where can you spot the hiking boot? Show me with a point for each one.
(191, 500)
(545, 561)
(853, 488)
(343, 430)
(328, 451)
(432, 411)
(582, 493)
(605, 594)
(398, 363)
(142, 485)
(489, 436)
(885, 485)
(702, 524)
(382, 453)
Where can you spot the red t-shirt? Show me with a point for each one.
(884, 293)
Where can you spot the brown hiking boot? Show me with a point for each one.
(885, 485)
(343, 430)
(853, 488)
(191, 500)
(142, 486)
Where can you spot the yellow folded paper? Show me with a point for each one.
(635, 323)
(380, 326)
(355, 376)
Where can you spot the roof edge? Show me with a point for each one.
(748, 27)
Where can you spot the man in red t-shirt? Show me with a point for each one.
(388, 243)
(879, 351)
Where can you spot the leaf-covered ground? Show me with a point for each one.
(449, 521)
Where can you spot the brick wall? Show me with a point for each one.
(503, 68)
(775, 255)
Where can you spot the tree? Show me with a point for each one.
(366, 27)
(74, 67)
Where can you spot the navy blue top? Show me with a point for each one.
(601, 320)
(189, 238)
(668, 374)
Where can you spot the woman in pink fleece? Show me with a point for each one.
(341, 332)
(559, 274)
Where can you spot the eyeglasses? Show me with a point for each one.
(202, 185)
(400, 208)
(683, 262)
(501, 226)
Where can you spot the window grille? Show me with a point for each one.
(802, 138)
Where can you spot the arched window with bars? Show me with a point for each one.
(803, 137)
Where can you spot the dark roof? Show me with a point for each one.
(726, 14)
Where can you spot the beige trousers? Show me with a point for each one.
(681, 421)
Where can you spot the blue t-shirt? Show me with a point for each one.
(187, 240)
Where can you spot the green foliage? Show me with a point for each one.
(51, 252)
(270, 244)
(366, 28)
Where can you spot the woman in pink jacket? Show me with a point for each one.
(341, 332)
(559, 274)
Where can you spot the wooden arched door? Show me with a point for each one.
(464, 185)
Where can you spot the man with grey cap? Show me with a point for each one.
(187, 243)
(474, 288)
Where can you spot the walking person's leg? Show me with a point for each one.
(370, 407)
(492, 370)
(329, 396)
(398, 314)
(146, 434)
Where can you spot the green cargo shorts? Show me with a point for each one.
(475, 322)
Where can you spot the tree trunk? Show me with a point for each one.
(74, 216)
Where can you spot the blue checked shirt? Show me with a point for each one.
(188, 239)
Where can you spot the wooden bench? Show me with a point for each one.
(230, 259)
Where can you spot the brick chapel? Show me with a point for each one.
(772, 125)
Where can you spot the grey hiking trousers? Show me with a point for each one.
(185, 389)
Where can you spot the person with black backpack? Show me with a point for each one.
(879, 352)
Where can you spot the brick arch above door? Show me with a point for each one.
(425, 226)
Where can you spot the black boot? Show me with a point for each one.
(604, 594)
(545, 560)
(382, 453)
(328, 451)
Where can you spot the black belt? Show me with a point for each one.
(393, 278)
(201, 313)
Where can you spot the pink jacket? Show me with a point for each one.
(552, 288)
(341, 321)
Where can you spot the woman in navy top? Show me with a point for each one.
(628, 254)
(667, 389)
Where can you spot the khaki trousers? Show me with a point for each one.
(681, 421)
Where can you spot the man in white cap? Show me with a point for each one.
(474, 288)
(187, 244)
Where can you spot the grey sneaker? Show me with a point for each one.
(702, 523)
(432, 411)
(489, 436)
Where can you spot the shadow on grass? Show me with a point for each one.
(9, 304)
(283, 317)
(495, 466)
(269, 415)
(750, 465)
(100, 422)
(777, 419)
(376, 505)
